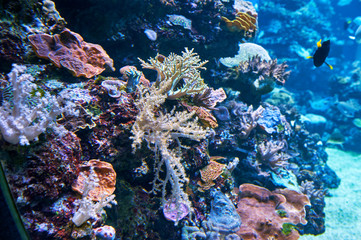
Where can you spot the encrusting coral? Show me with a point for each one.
(68, 49)
(203, 114)
(210, 173)
(160, 129)
(265, 214)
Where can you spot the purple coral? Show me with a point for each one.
(174, 212)
(104, 233)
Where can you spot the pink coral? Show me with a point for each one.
(174, 212)
(263, 212)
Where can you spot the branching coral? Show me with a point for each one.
(264, 73)
(308, 188)
(270, 154)
(178, 76)
(160, 129)
(29, 110)
(248, 119)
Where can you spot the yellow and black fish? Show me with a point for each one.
(319, 57)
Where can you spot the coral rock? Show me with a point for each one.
(263, 212)
(223, 217)
(106, 175)
(68, 49)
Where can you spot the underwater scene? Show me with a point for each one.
(180, 119)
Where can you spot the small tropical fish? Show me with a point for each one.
(357, 36)
(319, 57)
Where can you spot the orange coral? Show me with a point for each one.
(209, 173)
(106, 175)
(263, 212)
(244, 22)
(68, 49)
(203, 114)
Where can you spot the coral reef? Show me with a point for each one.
(169, 151)
(44, 184)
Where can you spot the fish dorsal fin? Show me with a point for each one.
(319, 43)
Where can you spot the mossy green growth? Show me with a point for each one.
(287, 228)
(37, 92)
(282, 213)
(280, 128)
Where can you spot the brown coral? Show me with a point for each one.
(210, 173)
(244, 22)
(270, 153)
(203, 114)
(68, 49)
(264, 70)
(263, 212)
(209, 98)
(106, 175)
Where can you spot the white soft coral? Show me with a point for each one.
(29, 111)
(87, 208)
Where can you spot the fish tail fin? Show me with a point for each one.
(308, 57)
(319, 43)
(330, 66)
